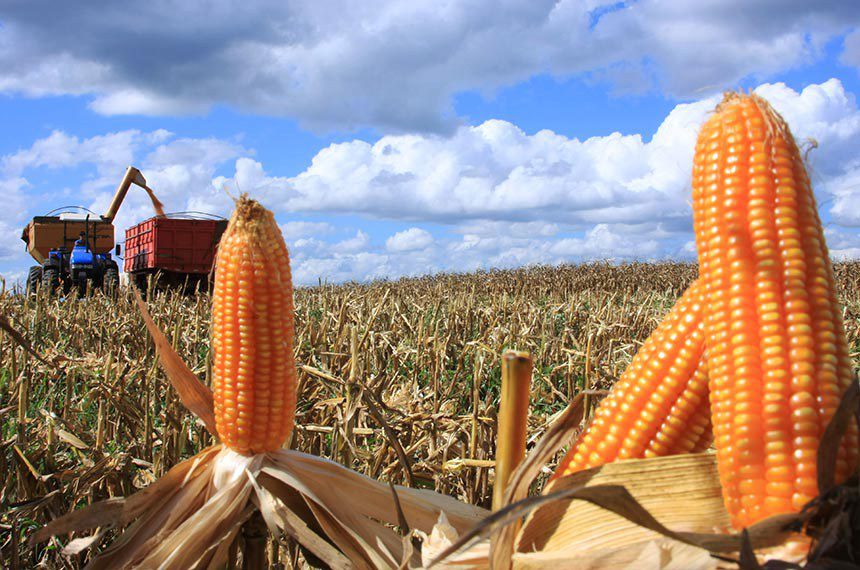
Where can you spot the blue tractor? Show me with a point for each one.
(73, 248)
(80, 268)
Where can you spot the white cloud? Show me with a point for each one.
(362, 266)
(11, 246)
(409, 240)
(517, 198)
(190, 151)
(130, 100)
(602, 242)
(249, 177)
(296, 230)
(12, 217)
(180, 171)
(400, 62)
(355, 244)
(842, 244)
(494, 171)
(61, 150)
(515, 229)
(314, 260)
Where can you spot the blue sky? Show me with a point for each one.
(412, 137)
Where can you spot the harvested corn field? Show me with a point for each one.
(386, 380)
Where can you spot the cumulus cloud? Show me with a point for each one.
(495, 172)
(12, 217)
(515, 229)
(409, 240)
(407, 254)
(843, 245)
(11, 246)
(492, 172)
(355, 244)
(400, 62)
(62, 150)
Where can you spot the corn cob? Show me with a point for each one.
(254, 372)
(777, 355)
(659, 406)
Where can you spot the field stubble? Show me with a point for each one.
(398, 380)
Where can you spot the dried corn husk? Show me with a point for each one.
(676, 515)
(186, 519)
(627, 514)
(654, 555)
(670, 508)
(659, 485)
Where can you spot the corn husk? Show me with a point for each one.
(665, 509)
(441, 539)
(189, 517)
(654, 555)
(659, 485)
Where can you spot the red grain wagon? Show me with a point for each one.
(179, 251)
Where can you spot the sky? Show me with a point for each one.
(397, 138)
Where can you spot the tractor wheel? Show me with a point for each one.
(34, 279)
(50, 280)
(110, 284)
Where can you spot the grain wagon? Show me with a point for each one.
(174, 250)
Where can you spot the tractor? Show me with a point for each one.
(73, 248)
(77, 267)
